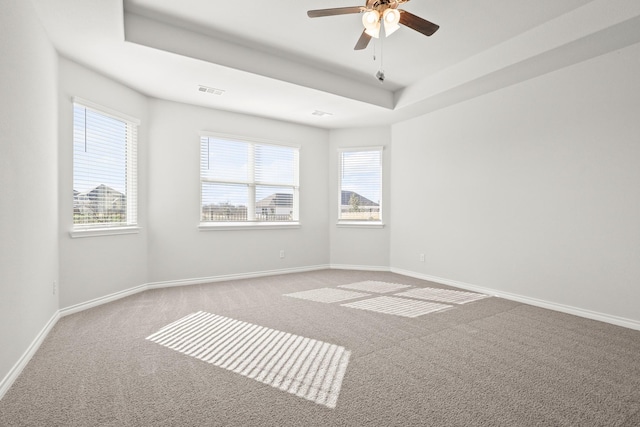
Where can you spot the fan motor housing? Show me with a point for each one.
(382, 5)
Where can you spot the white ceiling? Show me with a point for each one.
(273, 61)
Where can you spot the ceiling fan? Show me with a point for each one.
(376, 11)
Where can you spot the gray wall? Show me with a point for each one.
(352, 246)
(178, 250)
(531, 190)
(93, 267)
(28, 181)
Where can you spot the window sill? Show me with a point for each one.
(98, 232)
(223, 226)
(360, 224)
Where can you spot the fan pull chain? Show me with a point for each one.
(380, 74)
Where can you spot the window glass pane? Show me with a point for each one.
(275, 165)
(246, 181)
(274, 203)
(101, 184)
(224, 160)
(361, 185)
(224, 202)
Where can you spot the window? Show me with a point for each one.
(247, 182)
(104, 168)
(360, 186)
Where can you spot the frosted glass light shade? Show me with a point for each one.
(371, 22)
(391, 18)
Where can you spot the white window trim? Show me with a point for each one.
(106, 111)
(342, 223)
(98, 232)
(81, 231)
(207, 226)
(251, 225)
(346, 223)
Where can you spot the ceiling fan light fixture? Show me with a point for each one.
(375, 11)
(371, 22)
(391, 18)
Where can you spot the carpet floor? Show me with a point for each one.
(247, 353)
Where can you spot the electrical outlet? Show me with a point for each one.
(421, 257)
(55, 287)
(281, 253)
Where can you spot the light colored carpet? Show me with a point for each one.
(397, 306)
(327, 295)
(443, 295)
(308, 368)
(375, 286)
(490, 362)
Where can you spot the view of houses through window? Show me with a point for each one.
(245, 181)
(104, 169)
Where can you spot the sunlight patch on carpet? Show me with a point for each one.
(308, 368)
(443, 295)
(327, 295)
(397, 306)
(375, 286)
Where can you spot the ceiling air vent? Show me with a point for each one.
(211, 90)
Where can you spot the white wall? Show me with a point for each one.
(531, 190)
(94, 267)
(177, 249)
(28, 182)
(351, 246)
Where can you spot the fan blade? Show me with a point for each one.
(416, 23)
(335, 11)
(363, 41)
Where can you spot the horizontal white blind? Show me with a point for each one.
(104, 169)
(247, 181)
(360, 185)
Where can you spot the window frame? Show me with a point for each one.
(354, 223)
(250, 225)
(131, 167)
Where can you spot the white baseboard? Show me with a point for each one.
(237, 276)
(615, 320)
(183, 282)
(358, 267)
(594, 315)
(101, 300)
(8, 380)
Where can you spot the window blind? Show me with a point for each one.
(360, 193)
(244, 181)
(104, 169)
